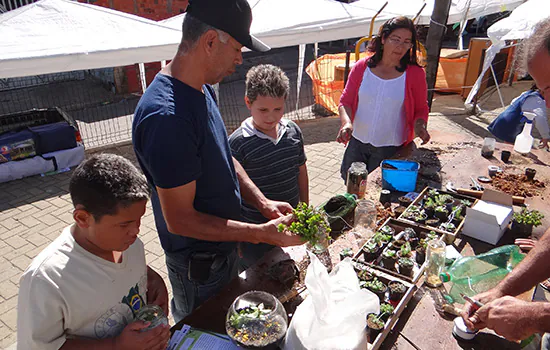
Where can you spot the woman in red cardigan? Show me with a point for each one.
(384, 104)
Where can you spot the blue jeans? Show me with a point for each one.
(372, 156)
(189, 294)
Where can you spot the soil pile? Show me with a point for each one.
(518, 185)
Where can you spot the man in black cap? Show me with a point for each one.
(181, 144)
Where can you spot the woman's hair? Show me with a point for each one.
(385, 31)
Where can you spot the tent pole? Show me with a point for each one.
(496, 85)
(438, 27)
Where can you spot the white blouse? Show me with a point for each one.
(380, 116)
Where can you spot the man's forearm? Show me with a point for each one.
(212, 228)
(530, 271)
(303, 184)
(542, 317)
(249, 191)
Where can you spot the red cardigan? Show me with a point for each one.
(416, 94)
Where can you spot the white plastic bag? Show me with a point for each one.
(333, 317)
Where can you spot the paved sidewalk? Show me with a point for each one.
(33, 211)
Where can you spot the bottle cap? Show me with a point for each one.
(461, 331)
(444, 277)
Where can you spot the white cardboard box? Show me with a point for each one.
(489, 217)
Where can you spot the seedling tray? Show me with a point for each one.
(448, 237)
(399, 308)
(398, 227)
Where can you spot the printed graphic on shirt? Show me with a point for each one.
(112, 322)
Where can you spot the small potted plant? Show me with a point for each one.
(399, 211)
(433, 193)
(524, 221)
(370, 251)
(465, 204)
(433, 222)
(530, 174)
(420, 250)
(448, 226)
(404, 201)
(397, 290)
(375, 325)
(397, 243)
(441, 213)
(447, 200)
(377, 287)
(405, 251)
(386, 310)
(365, 275)
(387, 230)
(389, 258)
(405, 266)
(429, 207)
(457, 215)
(346, 253)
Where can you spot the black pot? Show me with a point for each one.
(530, 173)
(414, 242)
(404, 201)
(522, 229)
(399, 211)
(422, 220)
(457, 220)
(430, 211)
(381, 294)
(441, 215)
(372, 332)
(369, 256)
(433, 222)
(389, 263)
(420, 256)
(396, 295)
(405, 270)
(505, 156)
(396, 245)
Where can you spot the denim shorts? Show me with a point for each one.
(188, 294)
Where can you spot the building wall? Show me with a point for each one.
(152, 9)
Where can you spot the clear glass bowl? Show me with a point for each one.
(256, 320)
(153, 314)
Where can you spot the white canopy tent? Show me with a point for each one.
(52, 36)
(519, 25)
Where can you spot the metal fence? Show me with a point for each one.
(105, 115)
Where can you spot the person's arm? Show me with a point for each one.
(421, 109)
(132, 338)
(536, 104)
(347, 100)
(303, 184)
(182, 219)
(157, 294)
(523, 277)
(514, 319)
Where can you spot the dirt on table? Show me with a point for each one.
(383, 213)
(518, 185)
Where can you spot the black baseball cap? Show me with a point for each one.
(231, 16)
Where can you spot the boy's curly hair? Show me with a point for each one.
(266, 80)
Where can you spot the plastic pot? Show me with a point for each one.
(530, 173)
(441, 215)
(420, 255)
(372, 330)
(389, 263)
(404, 201)
(523, 229)
(370, 255)
(433, 222)
(398, 291)
(430, 211)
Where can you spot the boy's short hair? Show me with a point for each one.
(266, 80)
(105, 182)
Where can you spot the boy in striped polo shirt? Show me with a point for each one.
(270, 149)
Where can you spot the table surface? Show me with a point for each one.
(419, 320)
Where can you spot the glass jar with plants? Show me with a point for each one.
(524, 221)
(389, 258)
(377, 287)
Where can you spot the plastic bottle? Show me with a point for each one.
(524, 141)
(476, 274)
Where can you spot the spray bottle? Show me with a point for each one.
(524, 141)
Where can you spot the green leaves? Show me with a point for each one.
(248, 313)
(406, 249)
(529, 217)
(310, 224)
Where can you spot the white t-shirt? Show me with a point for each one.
(68, 291)
(380, 116)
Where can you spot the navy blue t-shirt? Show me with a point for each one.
(179, 137)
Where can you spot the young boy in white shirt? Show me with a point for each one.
(84, 290)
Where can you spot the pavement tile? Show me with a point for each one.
(9, 272)
(10, 319)
(58, 202)
(9, 223)
(21, 262)
(16, 242)
(29, 221)
(14, 253)
(35, 251)
(7, 342)
(8, 289)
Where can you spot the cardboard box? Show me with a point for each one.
(489, 217)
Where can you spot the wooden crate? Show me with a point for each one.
(384, 277)
(448, 237)
(398, 226)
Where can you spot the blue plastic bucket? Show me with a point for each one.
(402, 179)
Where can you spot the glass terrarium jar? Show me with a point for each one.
(256, 320)
(153, 314)
(320, 245)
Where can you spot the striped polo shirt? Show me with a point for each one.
(272, 164)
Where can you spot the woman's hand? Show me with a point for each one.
(344, 134)
(420, 131)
